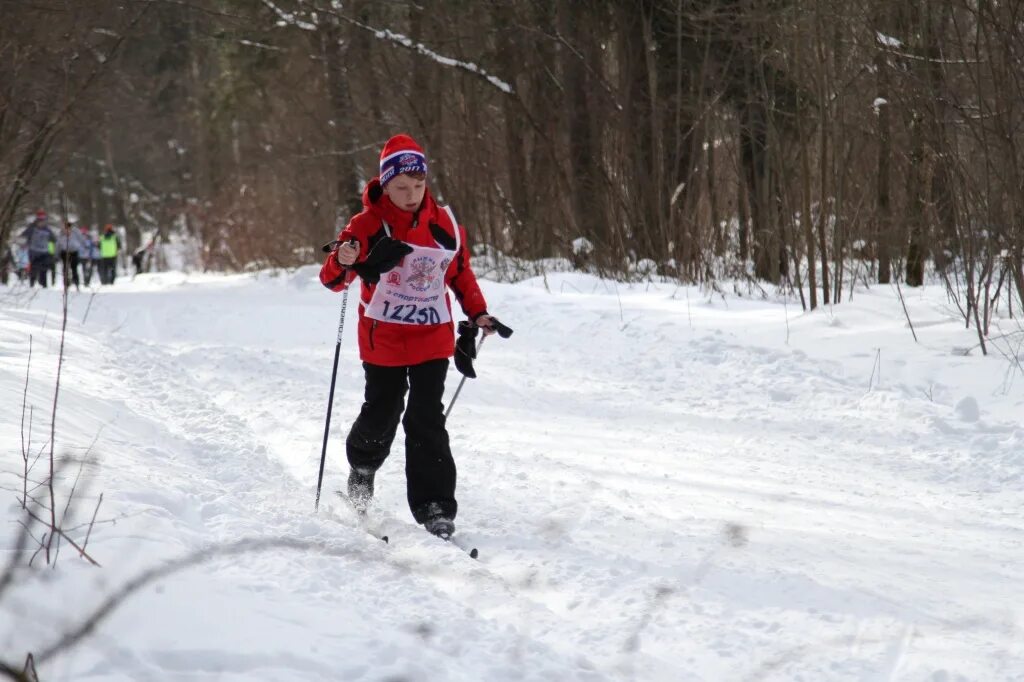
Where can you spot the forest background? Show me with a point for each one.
(809, 144)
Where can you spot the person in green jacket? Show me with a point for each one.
(110, 246)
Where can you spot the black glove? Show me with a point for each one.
(502, 330)
(384, 255)
(465, 348)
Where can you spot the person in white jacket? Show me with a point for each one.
(85, 255)
(69, 245)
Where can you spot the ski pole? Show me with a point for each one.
(504, 332)
(330, 398)
(459, 389)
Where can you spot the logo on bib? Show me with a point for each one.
(394, 279)
(423, 277)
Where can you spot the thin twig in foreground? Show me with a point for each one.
(85, 543)
(245, 545)
(900, 292)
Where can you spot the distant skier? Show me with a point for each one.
(110, 246)
(142, 257)
(88, 255)
(21, 262)
(406, 332)
(39, 240)
(69, 246)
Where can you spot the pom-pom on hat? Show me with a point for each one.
(400, 155)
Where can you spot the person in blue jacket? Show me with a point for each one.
(85, 254)
(40, 240)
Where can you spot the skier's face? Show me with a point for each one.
(406, 191)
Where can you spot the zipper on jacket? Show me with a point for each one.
(372, 328)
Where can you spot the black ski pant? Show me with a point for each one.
(429, 466)
(69, 262)
(39, 268)
(87, 267)
(108, 270)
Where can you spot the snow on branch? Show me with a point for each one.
(289, 18)
(262, 46)
(893, 46)
(888, 41)
(405, 41)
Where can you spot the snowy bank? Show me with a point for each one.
(663, 486)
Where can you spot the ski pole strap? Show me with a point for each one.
(467, 328)
(465, 349)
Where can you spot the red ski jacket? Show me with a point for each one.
(387, 343)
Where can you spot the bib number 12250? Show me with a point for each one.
(409, 313)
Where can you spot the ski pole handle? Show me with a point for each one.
(335, 243)
(504, 331)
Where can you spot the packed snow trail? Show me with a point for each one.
(660, 486)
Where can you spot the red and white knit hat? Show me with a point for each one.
(400, 155)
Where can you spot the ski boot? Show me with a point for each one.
(437, 523)
(360, 490)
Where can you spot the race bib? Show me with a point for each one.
(414, 292)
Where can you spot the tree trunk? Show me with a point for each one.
(517, 209)
(824, 166)
(347, 196)
(805, 207)
(742, 208)
(638, 128)
(718, 232)
(805, 220)
(883, 211)
(584, 151)
(753, 145)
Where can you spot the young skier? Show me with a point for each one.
(406, 249)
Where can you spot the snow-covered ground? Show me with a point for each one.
(663, 485)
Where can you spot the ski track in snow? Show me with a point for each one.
(660, 489)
